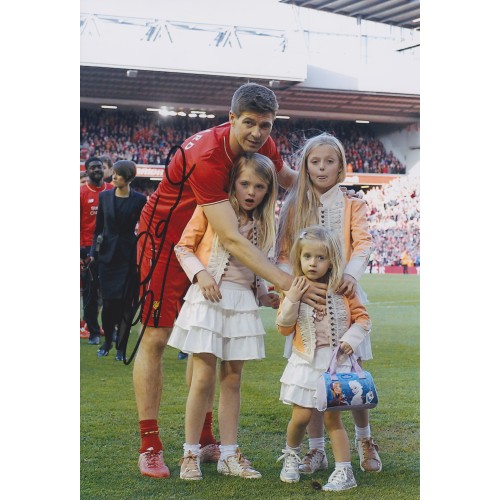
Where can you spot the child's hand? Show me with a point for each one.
(270, 300)
(346, 348)
(299, 286)
(348, 285)
(208, 286)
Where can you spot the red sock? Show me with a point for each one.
(150, 435)
(207, 435)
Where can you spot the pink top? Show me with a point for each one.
(236, 272)
(322, 331)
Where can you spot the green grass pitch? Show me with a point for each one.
(109, 434)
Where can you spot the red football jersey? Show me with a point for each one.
(209, 152)
(89, 201)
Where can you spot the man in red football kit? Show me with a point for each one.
(197, 175)
(89, 201)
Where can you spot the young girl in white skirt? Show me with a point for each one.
(317, 255)
(316, 198)
(220, 316)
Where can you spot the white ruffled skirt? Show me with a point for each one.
(230, 329)
(300, 378)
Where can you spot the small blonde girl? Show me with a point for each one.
(316, 198)
(317, 256)
(220, 316)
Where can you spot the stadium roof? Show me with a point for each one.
(212, 93)
(403, 13)
(100, 84)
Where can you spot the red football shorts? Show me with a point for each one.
(163, 285)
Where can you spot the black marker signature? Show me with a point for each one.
(137, 292)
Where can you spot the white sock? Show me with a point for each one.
(227, 450)
(362, 432)
(317, 443)
(193, 448)
(340, 465)
(291, 448)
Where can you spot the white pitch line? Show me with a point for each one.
(393, 303)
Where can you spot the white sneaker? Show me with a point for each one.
(340, 479)
(290, 471)
(369, 459)
(237, 465)
(190, 467)
(314, 460)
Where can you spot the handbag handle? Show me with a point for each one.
(332, 367)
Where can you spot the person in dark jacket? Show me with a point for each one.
(114, 247)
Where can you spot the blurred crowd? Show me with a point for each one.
(145, 138)
(394, 221)
(364, 153)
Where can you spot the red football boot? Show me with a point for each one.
(151, 464)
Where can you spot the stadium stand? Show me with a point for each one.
(394, 221)
(146, 139)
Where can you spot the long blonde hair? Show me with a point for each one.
(300, 208)
(264, 214)
(334, 249)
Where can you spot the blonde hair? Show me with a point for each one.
(334, 249)
(300, 208)
(264, 214)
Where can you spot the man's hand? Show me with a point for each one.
(270, 300)
(208, 286)
(348, 285)
(315, 296)
(299, 286)
(84, 263)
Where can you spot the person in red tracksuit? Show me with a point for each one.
(89, 201)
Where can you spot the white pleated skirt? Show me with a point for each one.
(230, 329)
(300, 378)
